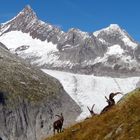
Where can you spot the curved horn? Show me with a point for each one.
(88, 108)
(118, 93)
(58, 116)
(92, 107)
(107, 99)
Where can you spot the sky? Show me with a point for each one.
(86, 15)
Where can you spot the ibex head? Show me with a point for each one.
(112, 95)
(91, 110)
(60, 117)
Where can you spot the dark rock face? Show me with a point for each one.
(85, 52)
(3, 46)
(2, 98)
(29, 100)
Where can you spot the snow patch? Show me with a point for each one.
(128, 42)
(44, 50)
(115, 50)
(102, 40)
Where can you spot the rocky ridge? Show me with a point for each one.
(108, 52)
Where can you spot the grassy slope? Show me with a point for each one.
(19, 79)
(122, 122)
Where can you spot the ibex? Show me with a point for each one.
(91, 110)
(57, 125)
(110, 101)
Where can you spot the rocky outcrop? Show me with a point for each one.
(3, 46)
(29, 100)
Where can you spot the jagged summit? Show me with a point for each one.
(74, 50)
(114, 34)
(113, 30)
(27, 22)
(77, 32)
(28, 7)
(28, 11)
(114, 26)
(73, 30)
(110, 29)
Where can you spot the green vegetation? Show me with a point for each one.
(121, 122)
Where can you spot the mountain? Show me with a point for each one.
(121, 122)
(29, 100)
(107, 52)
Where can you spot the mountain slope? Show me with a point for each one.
(75, 50)
(114, 35)
(29, 100)
(119, 123)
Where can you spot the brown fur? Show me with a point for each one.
(110, 101)
(57, 125)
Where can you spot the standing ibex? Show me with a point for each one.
(58, 124)
(91, 110)
(110, 101)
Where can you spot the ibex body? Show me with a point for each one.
(110, 101)
(57, 125)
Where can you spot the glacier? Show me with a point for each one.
(87, 90)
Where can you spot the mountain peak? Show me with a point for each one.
(28, 11)
(114, 26)
(28, 7)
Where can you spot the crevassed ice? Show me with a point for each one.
(87, 90)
